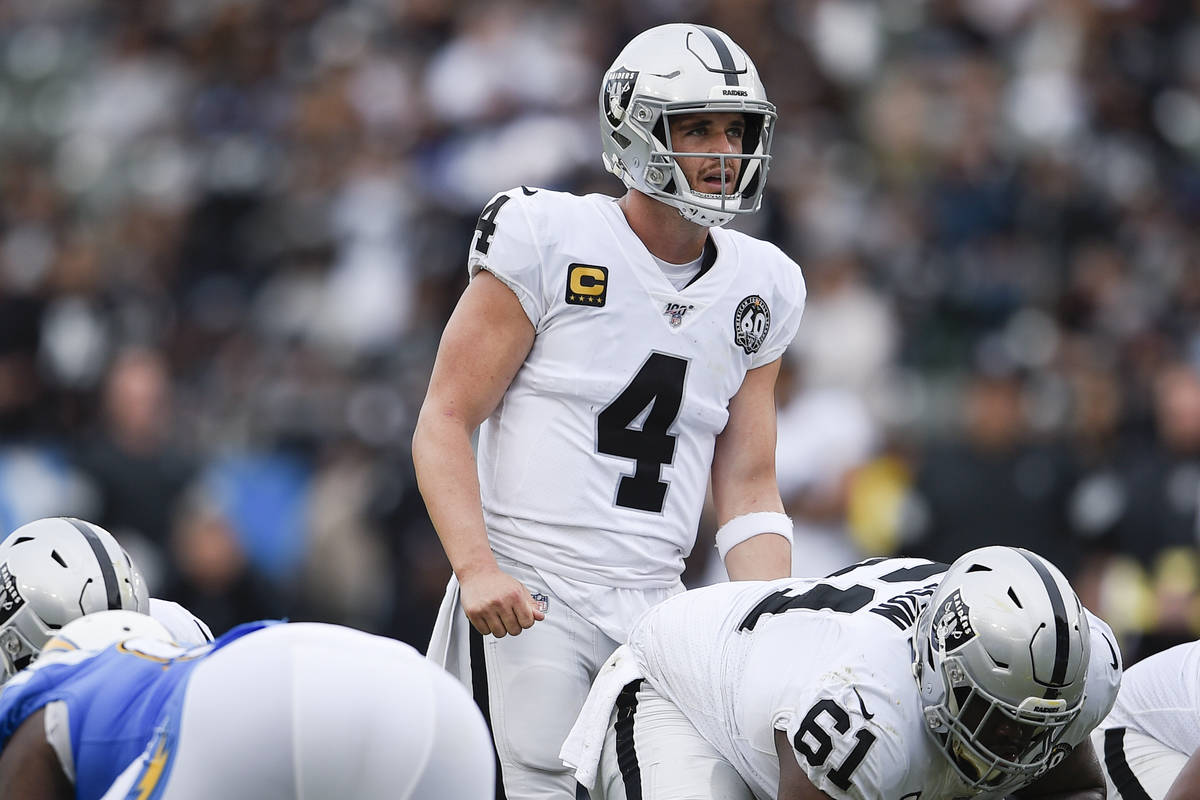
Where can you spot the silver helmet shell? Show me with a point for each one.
(684, 69)
(53, 571)
(1001, 657)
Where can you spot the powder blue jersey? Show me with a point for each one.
(113, 698)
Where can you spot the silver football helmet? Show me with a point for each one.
(53, 571)
(1001, 654)
(684, 69)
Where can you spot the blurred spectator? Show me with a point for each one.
(209, 572)
(137, 469)
(995, 486)
(275, 196)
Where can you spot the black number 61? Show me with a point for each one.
(841, 724)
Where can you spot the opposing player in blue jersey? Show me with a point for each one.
(269, 711)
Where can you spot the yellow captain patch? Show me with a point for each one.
(587, 285)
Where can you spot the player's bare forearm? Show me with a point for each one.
(446, 475)
(743, 477)
(28, 767)
(760, 558)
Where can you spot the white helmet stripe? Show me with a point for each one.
(111, 587)
(727, 66)
(1062, 633)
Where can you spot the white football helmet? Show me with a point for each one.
(684, 69)
(1001, 657)
(99, 630)
(53, 571)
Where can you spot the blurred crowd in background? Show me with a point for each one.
(231, 232)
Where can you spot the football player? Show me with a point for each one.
(615, 355)
(56, 569)
(894, 679)
(269, 710)
(1148, 744)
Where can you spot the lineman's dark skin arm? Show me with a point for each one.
(1187, 782)
(29, 769)
(793, 783)
(1078, 777)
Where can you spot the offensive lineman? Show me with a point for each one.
(56, 569)
(615, 354)
(1149, 743)
(269, 711)
(893, 679)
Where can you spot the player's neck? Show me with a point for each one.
(665, 233)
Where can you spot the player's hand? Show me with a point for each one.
(497, 603)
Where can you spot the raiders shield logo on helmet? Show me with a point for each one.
(953, 621)
(618, 89)
(10, 597)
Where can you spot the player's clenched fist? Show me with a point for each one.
(498, 603)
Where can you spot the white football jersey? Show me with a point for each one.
(595, 464)
(1160, 698)
(829, 661)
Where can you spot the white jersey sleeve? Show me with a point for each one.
(1160, 698)
(186, 629)
(504, 244)
(793, 293)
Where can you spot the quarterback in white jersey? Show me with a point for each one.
(616, 355)
(894, 679)
(1148, 743)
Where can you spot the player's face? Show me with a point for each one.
(716, 133)
(999, 734)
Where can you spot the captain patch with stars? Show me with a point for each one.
(751, 322)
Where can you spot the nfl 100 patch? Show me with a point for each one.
(751, 322)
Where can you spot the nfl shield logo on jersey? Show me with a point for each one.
(541, 601)
(751, 322)
(674, 313)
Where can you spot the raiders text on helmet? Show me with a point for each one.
(684, 69)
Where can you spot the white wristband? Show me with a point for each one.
(739, 529)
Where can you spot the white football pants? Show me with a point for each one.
(1136, 767)
(317, 712)
(652, 752)
(530, 686)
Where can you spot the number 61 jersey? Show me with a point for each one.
(595, 463)
(830, 663)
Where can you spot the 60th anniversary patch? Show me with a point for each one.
(751, 322)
